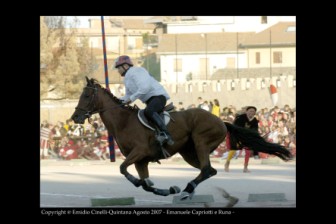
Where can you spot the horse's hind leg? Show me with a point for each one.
(206, 172)
(200, 160)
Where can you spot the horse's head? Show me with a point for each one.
(87, 102)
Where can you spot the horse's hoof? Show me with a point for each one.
(148, 182)
(174, 190)
(134, 180)
(184, 195)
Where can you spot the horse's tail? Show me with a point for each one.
(250, 138)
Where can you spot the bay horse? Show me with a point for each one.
(196, 133)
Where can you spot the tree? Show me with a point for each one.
(47, 39)
(145, 38)
(189, 76)
(68, 70)
(152, 65)
(87, 61)
(47, 60)
(60, 65)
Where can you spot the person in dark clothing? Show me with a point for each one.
(246, 120)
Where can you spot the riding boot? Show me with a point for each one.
(164, 136)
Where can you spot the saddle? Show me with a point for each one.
(164, 115)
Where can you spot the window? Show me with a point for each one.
(264, 20)
(233, 85)
(231, 63)
(94, 43)
(257, 57)
(131, 43)
(291, 29)
(277, 57)
(248, 84)
(190, 88)
(178, 65)
(218, 86)
(138, 43)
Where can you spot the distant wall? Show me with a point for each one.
(188, 93)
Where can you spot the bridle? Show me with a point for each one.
(92, 103)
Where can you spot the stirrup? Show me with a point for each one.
(163, 138)
(168, 139)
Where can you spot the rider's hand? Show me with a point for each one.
(126, 102)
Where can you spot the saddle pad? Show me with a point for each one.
(142, 118)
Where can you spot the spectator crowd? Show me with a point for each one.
(66, 141)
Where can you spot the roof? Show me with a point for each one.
(197, 42)
(227, 41)
(154, 19)
(279, 36)
(137, 24)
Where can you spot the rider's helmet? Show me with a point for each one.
(124, 59)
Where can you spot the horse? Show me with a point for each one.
(196, 132)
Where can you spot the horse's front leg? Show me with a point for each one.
(142, 168)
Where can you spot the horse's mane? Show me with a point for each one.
(113, 97)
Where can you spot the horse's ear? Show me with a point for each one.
(87, 80)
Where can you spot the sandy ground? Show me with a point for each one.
(72, 184)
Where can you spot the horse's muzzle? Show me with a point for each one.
(78, 119)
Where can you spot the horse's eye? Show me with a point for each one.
(86, 93)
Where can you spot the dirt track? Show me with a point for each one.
(67, 184)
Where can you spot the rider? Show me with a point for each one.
(141, 85)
